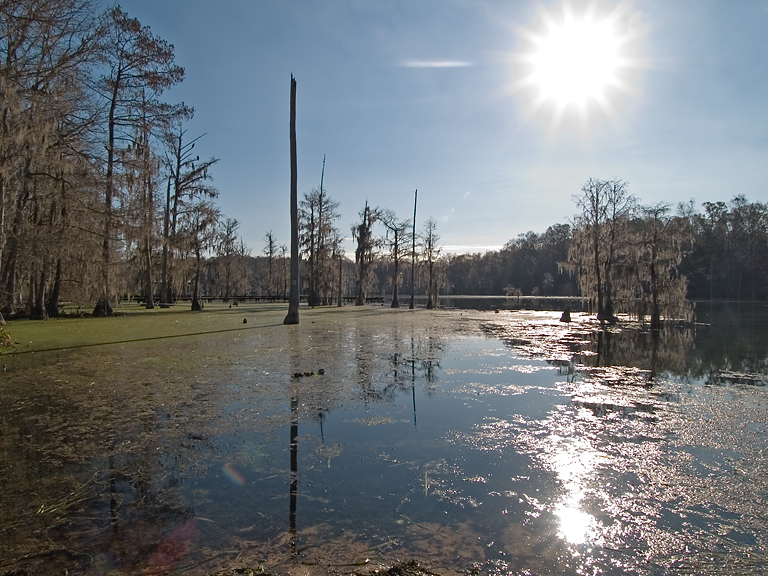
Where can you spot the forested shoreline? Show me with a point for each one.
(722, 252)
(104, 195)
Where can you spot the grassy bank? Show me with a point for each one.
(136, 324)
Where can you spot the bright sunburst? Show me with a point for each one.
(577, 60)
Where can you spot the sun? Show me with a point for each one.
(577, 61)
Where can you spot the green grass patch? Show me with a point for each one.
(134, 323)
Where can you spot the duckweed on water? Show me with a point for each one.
(474, 442)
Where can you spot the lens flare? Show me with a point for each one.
(233, 475)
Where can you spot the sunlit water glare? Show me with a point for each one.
(505, 443)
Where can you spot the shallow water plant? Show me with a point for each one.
(502, 443)
(7, 342)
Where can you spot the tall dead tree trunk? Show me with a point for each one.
(413, 252)
(293, 305)
(396, 276)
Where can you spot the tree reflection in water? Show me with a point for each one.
(294, 480)
(725, 342)
(539, 447)
(645, 434)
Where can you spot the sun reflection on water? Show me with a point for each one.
(576, 526)
(575, 461)
(533, 455)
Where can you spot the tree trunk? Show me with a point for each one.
(395, 278)
(9, 272)
(149, 290)
(9, 277)
(312, 300)
(174, 215)
(164, 290)
(149, 208)
(103, 307)
(655, 312)
(39, 311)
(195, 302)
(31, 296)
(2, 229)
(598, 279)
(430, 287)
(362, 270)
(413, 253)
(53, 300)
(293, 305)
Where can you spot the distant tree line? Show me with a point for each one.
(729, 253)
(527, 265)
(385, 250)
(646, 260)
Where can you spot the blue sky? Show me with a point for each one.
(691, 120)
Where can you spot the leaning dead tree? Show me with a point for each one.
(293, 304)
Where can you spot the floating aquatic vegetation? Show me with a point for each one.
(526, 447)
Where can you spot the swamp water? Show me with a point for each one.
(497, 443)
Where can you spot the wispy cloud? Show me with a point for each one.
(436, 64)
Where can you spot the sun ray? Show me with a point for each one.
(575, 63)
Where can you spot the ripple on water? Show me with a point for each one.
(514, 444)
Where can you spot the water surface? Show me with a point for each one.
(504, 443)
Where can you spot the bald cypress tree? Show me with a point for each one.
(139, 68)
(365, 251)
(396, 241)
